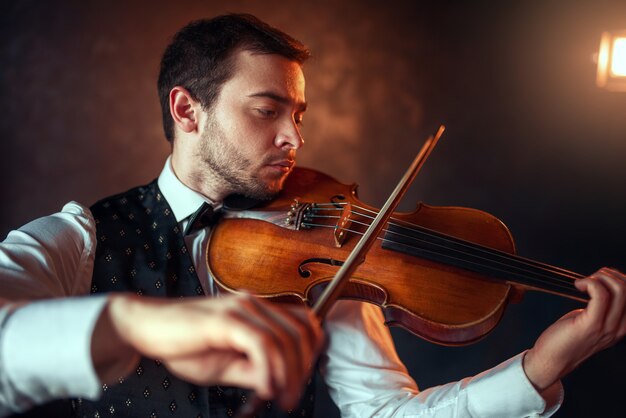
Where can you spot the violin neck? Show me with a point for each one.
(494, 264)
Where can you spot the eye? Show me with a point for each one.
(266, 113)
(298, 119)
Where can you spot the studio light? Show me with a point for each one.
(611, 73)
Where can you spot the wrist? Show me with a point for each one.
(537, 372)
(112, 353)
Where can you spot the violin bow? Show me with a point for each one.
(357, 255)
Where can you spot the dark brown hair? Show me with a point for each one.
(200, 57)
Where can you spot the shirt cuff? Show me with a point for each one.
(45, 350)
(511, 393)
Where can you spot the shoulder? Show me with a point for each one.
(74, 222)
(126, 202)
(50, 256)
(73, 217)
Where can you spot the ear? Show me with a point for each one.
(184, 109)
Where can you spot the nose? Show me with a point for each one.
(289, 136)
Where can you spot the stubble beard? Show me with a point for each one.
(230, 169)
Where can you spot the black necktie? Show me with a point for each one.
(201, 218)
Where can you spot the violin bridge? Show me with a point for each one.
(343, 224)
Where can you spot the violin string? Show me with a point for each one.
(413, 227)
(536, 276)
(507, 257)
(530, 279)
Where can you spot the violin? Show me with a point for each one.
(445, 274)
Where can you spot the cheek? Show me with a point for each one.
(249, 134)
(256, 136)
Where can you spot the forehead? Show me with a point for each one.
(254, 73)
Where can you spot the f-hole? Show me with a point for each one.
(305, 274)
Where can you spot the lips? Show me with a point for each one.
(284, 165)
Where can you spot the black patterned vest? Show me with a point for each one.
(141, 249)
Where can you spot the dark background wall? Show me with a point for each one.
(530, 138)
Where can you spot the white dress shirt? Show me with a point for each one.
(45, 344)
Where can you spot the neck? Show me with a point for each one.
(193, 173)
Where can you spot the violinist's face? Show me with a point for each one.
(252, 131)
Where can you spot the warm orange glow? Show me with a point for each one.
(611, 73)
(618, 57)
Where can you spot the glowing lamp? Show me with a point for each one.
(612, 62)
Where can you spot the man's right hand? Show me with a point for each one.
(236, 340)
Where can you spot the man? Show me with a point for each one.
(232, 95)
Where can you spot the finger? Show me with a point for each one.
(276, 345)
(305, 325)
(594, 314)
(278, 364)
(296, 339)
(224, 367)
(230, 351)
(312, 329)
(614, 272)
(616, 323)
(621, 278)
(215, 367)
(615, 283)
(241, 328)
(308, 329)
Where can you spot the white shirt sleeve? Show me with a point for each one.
(45, 348)
(367, 379)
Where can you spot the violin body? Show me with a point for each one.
(279, 250)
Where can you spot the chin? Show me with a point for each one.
(271, 191)
(273, 186)
(265, 187)
(263, 191)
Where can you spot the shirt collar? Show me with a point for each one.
(183, 200)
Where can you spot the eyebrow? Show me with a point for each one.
(280, 99)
